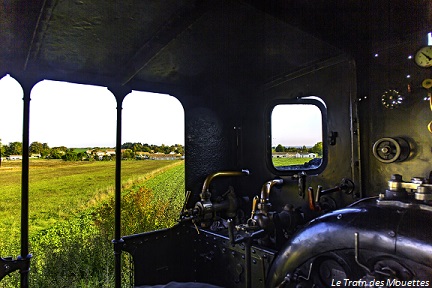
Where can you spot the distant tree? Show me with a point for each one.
(146, 148)
(292, 149)
(106, 158)
(45, 150)
(136, 147)
(14, 148)
(1, 152)
(70, 156)
(179, 150)
(318, 148)
(280, 148)
(81, 156)
(165, 149)
(36, 148)
(128, 154)
(56, 152)
(156, 149)
(127, 145)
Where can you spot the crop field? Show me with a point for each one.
(72, 215)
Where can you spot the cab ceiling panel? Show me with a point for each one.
(98, 37)
(17, 23)
(234, 41)
(166, 42)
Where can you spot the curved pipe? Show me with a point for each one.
(210, 177)
(388, 234)
(266, 188)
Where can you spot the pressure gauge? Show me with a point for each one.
(423, 57)
(391, 99)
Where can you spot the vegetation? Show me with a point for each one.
(130, 151)
(71, 231)
(278, 162)
(317, 148)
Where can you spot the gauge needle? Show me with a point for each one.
(429, 58)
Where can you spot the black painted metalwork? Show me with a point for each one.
(119, 94)
(379, 227)
(228, 62)
(9, 265)
(27, 86)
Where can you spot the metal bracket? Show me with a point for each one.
(9, 265)
(332, 138)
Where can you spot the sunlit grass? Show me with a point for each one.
(59, 189)
(277, 162)
(78, 252)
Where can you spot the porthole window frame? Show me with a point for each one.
(309, 100)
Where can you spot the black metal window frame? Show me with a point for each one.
(22, 262)
(310, 100)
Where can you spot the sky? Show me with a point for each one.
(291, 128)
(76, 115)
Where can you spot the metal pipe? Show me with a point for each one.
(265, 190)
(210, 177)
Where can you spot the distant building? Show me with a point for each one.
(14, 157)
(293, 155)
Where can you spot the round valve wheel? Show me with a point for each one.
(389, 150)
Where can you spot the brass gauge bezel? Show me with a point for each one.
(423, 57)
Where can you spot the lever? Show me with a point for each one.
(251, 221)
(187, 196)
(302, 184)
(313, 206)
(231, 231)
(347, 186)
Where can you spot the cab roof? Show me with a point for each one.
(179, 43)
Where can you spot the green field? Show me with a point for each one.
(71, 215)
(277, 162)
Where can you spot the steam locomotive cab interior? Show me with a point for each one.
(359, 73)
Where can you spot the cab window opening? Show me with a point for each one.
(297, 131)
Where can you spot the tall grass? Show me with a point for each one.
(58, 190)
(78, 252)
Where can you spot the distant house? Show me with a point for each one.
(284, 155)
(309, 155)
(14, 157)
(293, 155)
(142, 155)
(279, 155)
(306, 155)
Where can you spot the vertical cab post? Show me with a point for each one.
(27, 85)
(119, 93)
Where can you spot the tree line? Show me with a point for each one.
(317, 148)
(71, 154)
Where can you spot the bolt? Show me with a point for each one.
(396, 177)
